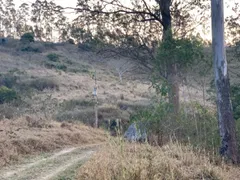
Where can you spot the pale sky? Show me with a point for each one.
(72, 3)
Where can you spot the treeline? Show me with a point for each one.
(45, 19)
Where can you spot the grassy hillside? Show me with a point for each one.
(57, 82)
(46, 91)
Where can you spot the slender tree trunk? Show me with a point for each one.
(172, 70)
(226, 122)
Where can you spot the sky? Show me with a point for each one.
(72, 3)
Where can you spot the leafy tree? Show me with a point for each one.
(2, 15)
(47, 18)
(23, 13)
(142, 24)
(10, 17)
(233, 24)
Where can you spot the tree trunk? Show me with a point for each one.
(172, 70)
(226, 122)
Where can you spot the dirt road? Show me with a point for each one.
(49, 166)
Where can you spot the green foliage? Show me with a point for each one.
(27, 38)
(29, 48)
(183, 52)
(9, 80)
(7, 95)
(235, 98)
(161, 87)
(61, 67)
(71, 41)
(194, 123)
(53, 57)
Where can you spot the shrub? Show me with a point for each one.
(53, 57)
(7, 111)
(55, 65)
(7, 95)
(235, 97)
(8, 80)
(43, 83)
(194, 123)
(73, 103)
(27, 37)
(30, 48)
(61, 67)
(90, 45)
(71, 41)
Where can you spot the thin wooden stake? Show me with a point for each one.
(96, 100)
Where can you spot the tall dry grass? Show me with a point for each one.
(144, 162)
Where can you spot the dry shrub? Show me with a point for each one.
(7, 152)
(37, 122)
(87, 115)
(44, 83)
(141, 162)
(7, 111)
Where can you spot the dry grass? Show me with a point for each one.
(31, 135)
(140, 162)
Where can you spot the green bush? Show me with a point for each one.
(194, 124)
(235, 97)
(29, 48)
(61, 67)
(71, 41)
(27, 37)
(9, 80)
(53, 57)
(7, 95)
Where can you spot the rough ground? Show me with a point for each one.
(49, 166)
(32, 136)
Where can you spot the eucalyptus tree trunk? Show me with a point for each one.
(172, 76)
(226, 122)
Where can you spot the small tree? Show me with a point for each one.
(182, 53)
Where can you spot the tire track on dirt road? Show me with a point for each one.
(46, 168)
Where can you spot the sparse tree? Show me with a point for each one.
(140, 23)
(23, 14)
(48, 18)
(10, 18)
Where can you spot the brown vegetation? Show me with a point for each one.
(139, 162)
(31, 135)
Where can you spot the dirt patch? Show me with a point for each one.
(19, 137)
(49, 166)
